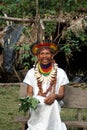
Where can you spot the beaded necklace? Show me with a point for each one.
(42, 77)
(45, 70)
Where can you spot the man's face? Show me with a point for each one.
(45, 56)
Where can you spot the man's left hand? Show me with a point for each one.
(50, 99)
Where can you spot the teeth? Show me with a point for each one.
(48, 78)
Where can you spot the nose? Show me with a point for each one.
(44, 55)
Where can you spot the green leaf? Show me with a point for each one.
(27, 103)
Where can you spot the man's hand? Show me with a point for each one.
(50, 99)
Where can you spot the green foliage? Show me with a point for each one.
(50, 28)
(26, 57)
(74, 42)
(27, 103)
(18, 8)
(26, 8)
(83, 38)
(74, 5)
(46, 8)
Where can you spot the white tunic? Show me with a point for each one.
(46, 117)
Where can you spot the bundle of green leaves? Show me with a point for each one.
(27, 103)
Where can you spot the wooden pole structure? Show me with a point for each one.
(27, 20)
(37, 21)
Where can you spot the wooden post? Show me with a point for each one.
(37, 21)
(17, 74)
(79, 117)
(23, 126)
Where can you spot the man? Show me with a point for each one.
(46, 82)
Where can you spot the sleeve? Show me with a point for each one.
(29, 78)
(62, 77)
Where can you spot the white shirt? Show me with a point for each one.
(31, 80)
(46, 117)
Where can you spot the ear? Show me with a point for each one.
(53, 56)
(38, 57)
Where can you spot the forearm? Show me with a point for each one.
(59, 96)
(29, 91)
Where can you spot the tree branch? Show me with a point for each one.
(32, 20)
(17, 19)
